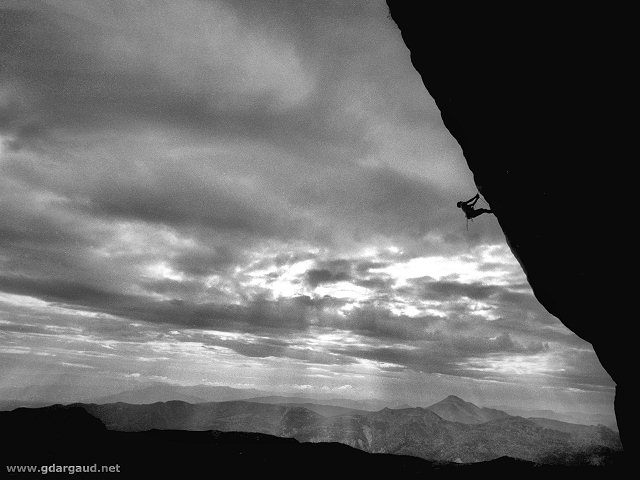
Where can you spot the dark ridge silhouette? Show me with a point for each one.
(537, 98)
(69, 435)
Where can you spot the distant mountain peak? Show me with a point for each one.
(456, 401)
(453, 398)
(456, 409)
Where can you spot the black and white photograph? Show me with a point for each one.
(286, 237)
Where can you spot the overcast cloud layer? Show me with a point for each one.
(252, 194)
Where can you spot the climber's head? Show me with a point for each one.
(459, 204)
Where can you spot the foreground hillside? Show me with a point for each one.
(58, 436)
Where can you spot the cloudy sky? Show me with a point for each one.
(254, 194)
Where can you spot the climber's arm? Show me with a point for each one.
(472, 201)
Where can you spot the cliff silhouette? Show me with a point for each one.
(536, 98)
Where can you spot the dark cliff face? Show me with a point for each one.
(535, 98)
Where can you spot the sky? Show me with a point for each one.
(259, 194)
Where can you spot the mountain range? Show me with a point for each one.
(468, 433)
(57, 437)
(162, 392)
(582, 418)
(146, 393)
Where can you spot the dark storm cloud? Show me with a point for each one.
(380, 323)
(256, 350)
(24, 328)
(542, 327)
(329, 272)
(374, 199)
(355, 271)
(27, 227)
(316, 277)
(474, 291)
(68, 66)
(501, 344)
(380, 285)
(205, 260)
(463, 337)
(260, 314)
(446, 357)
(365, 266)
(193, 204)
(262, 349)
(170, 196)
(66, 72)
(512, 300)
(416, 360)
(176, 288)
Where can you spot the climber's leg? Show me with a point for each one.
(479, 212)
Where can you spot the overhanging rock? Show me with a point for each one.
(534, 97)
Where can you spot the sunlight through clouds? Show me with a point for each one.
(465, 267)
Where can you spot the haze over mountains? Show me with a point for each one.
(146, 393)
(162, 392)
(581, 418)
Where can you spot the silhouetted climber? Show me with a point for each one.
(469, 211)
